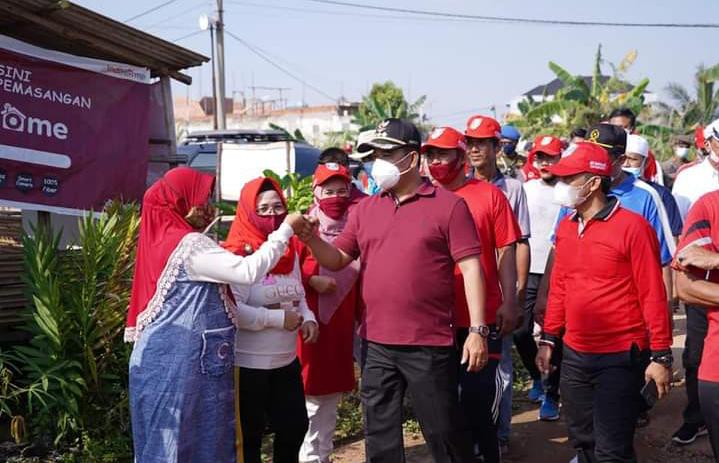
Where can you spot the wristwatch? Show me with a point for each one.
(482, 330)
(663, 358)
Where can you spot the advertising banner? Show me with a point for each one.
(73, 130)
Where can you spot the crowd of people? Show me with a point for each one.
(421, 264)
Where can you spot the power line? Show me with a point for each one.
(262, 55)
(339, 13)
(154, 8)
(516, 20)
(187, 36)
(175, 16)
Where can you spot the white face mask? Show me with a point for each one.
(567, 195)
(386, 173)
(681, 152)
(635, 171)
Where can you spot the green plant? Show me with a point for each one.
(74, 369)
(298, 190)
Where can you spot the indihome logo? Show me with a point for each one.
(14, 120)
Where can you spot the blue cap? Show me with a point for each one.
(511, 132)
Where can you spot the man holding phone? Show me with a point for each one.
(607, 302)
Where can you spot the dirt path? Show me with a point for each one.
(534, 441)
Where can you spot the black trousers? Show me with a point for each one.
(709, 399)
(275, 397)
(697, 326)
(523, 339)
(602, 400)
(429, 374)
(479, 396)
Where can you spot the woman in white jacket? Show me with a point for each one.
(272, 311)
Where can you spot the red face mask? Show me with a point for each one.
(335, 206)
(266, 224)
(445, 173)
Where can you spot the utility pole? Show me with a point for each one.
(219, 68)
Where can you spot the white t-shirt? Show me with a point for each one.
(542, 215)
(261, 341)
(692, 183)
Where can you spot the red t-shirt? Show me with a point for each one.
(606, 289)
(408, 253)
(701, 228)
(497, 227)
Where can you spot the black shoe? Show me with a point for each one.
(688, 433)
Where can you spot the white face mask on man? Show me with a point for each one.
(568, 195)
(386, 173)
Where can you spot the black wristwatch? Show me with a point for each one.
(482, 330)
(664, 358)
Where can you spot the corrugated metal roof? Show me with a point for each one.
(63, 26)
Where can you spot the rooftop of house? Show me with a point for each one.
(553, 87)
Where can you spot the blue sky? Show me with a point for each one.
(462, 67)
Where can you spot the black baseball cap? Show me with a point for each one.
(392, 134)
(610, 137)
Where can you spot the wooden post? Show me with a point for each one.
(169, 113)
(44, 222)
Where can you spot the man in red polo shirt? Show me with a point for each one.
(445, 152)
(607, 302)
(698, 284)
(409, 239)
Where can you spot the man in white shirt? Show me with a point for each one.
(543, 213)
(690, 184)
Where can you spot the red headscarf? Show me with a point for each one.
(162, 227)
(244, 237)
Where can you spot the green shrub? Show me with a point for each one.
(74, 369)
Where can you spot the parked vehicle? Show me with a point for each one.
(245, 155)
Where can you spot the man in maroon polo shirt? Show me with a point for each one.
(409, 239)
(607, 302)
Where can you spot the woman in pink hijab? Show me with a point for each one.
(327, 366)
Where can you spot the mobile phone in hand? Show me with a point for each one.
(650, 393)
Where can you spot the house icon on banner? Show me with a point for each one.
(12, 118)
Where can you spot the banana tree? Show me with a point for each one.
(579, 103)
(384, 101)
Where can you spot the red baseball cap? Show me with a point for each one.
(330, 170)
(483, 127)
(547, 144)
(445, 138)
(587, 158)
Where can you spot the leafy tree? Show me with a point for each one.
(581, 104)
(687, 111)
(386, 100)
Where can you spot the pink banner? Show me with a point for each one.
(70, 138)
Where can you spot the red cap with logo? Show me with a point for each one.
(445, 138)
(330, 170)
(483, 127)
(587, 158)
(547, 144)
